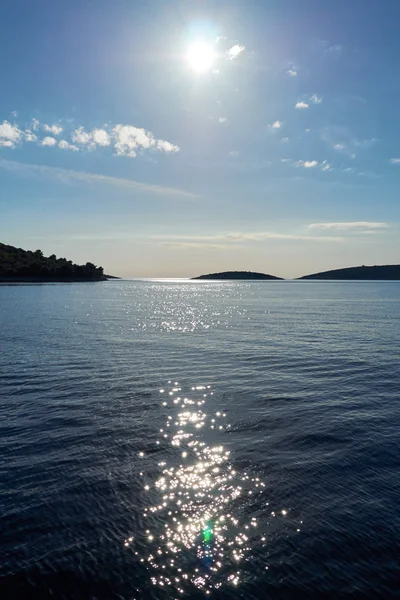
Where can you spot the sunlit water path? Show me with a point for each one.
(200, 530)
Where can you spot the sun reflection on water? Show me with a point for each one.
(198, 533)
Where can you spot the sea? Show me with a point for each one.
(164, 439)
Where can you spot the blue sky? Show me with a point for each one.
(175, 138)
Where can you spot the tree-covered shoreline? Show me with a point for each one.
(17, 264)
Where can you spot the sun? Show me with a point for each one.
(201, 56)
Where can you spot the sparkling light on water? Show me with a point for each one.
(198, 533)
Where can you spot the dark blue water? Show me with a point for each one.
(164, 440)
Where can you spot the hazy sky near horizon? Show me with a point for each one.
(173, 138)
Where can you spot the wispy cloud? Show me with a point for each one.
(334, 48)
(305, 102)
(328, 47)
(316, 99)
(292, 72)
(325, 166)
(341, 139)
(395, 161)
(224, 239)
(126, 140)
(301, 105)
(69, 175)
(222, 120)
(307, 164)
(55, 129)
(349, 226)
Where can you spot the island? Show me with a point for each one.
(372, 273)
(238, 275)
(18, 265)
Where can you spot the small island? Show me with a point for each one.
(18, 265)
(373, 273)
(238, 275)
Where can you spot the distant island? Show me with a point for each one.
(235, 275)
(21, 265)
(383, 272)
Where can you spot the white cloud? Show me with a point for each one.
(6, 143)
(235, 51)
(49, 141)
(129, 140)
(284, 140)
(350, 225)
(222, 120)
(67, 175)
(233, 153)
(90, 139)
(276, 125)
(54, 129)
(82, 137)
(29, 136)
(64, 145)
(292, 72)
(301, 105)
(101, 137)
(166, 146)
(307, 164)
(395, 161)
(9, 134)
(339, 146)
(316, 99)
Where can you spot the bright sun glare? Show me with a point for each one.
(201, 56)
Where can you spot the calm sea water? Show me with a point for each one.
(164, 440)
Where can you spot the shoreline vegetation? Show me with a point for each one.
(363, 273)
(235, 275)
(26, 266)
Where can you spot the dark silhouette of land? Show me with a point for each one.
(383, 273)
(17, 264)
(242, 275)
